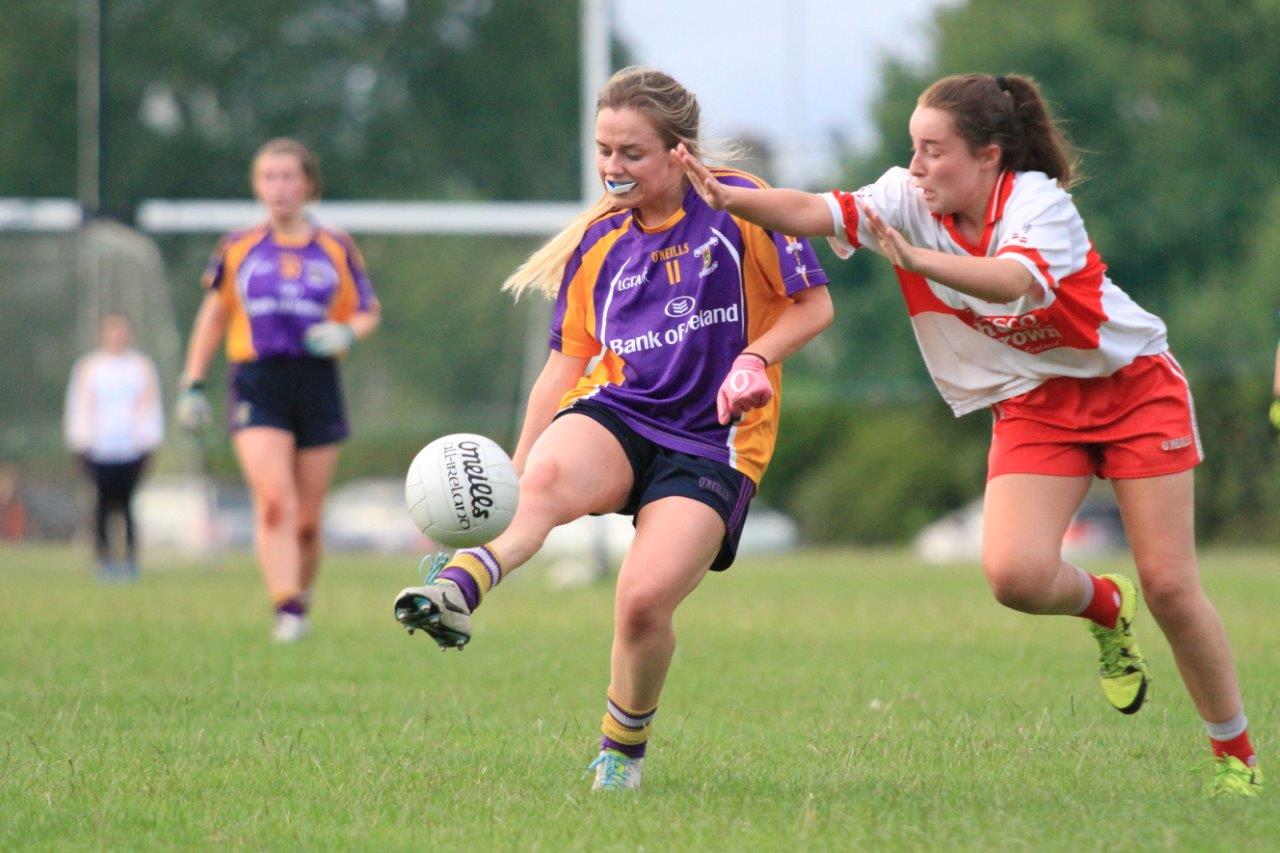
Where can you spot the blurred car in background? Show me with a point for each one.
(370, 515)
(192, 515)
(1095, 531)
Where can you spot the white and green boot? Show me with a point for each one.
(615, 771)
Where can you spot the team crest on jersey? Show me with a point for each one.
(794, 248)
(290, 266)
(703, 253)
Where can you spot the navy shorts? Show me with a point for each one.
(298, 395)
(659, 472)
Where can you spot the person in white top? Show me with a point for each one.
(113, 421)
(1013, 311)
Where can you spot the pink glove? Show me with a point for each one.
(745, 388)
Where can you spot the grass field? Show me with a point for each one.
(827, 701)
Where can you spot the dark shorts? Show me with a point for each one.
(298, 395)
(659, 472)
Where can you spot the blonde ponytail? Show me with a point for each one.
(544, 269)
(674, 112)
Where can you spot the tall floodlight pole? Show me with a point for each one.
(89, 165)
(595, 71)
(89, 91)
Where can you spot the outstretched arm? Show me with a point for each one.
(997, 280)
(792, 212)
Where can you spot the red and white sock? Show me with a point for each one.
(1099, 600)
(1232, 738)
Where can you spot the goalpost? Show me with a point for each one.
(116, 267)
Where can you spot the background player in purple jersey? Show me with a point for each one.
(682, 316)
(290, 298)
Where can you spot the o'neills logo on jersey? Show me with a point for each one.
(654, 339)
(1031, 333)
(669, 253)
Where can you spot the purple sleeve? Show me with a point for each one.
(360, 274)
(797, 263)
(211, 279)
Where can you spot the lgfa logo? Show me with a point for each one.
(679, 306)
(631, 281)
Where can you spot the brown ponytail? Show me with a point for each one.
(1011, 112)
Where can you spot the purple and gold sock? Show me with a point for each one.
(475, 571)
(294, 605)
(626, 731)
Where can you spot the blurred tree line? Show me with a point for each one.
(1173, 108)
(1172, 105)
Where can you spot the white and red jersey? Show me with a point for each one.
(1074, 323)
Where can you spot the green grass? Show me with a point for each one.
(832, 700)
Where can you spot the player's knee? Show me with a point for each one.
(641, 612)
(275, 509)
(1170, 594)
(542, 490)
(308, 533)
(1016, 578)
(539, 480)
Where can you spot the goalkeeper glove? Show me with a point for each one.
(329, 338)
(191, 410)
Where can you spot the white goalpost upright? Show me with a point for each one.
(101, 243)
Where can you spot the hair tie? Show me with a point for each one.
(1003, 84)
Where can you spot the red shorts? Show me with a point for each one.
(1137, 422)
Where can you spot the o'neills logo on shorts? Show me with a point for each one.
(1176, 443)
(712, 486)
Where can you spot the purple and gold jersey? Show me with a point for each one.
(275, 289)
(667, 309)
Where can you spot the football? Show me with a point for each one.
(461, 490)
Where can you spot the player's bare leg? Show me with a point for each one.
(576, 467)
(266, 458)
(1159, 518)
(1024, 519)
(313, 472)
(676, 540)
